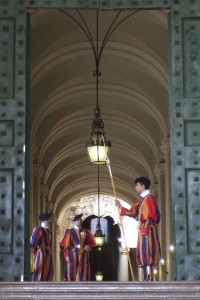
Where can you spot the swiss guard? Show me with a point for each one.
(40, 242)
(76, 246)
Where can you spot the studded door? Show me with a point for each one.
(12, 138)
(185, 137)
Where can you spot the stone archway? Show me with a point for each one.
(88, 205)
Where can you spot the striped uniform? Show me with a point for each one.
(148, 216)
(40, 243)
(73, 244)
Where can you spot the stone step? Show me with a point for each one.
(99, 290)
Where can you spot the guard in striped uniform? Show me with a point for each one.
(76, 245)
(147, 214)
(40, 242)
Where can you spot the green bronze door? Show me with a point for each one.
(185, 137)
(12, 139)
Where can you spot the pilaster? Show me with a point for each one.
(160, 174)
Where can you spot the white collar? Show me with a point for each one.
(44, 225)
(76, 227)
(145, 193)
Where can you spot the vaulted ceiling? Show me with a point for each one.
(133, 96)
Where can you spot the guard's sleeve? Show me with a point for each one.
(90, 240)
(65, 244)
(149, 209)
(144, 231)
(132, 212)
(35, 239)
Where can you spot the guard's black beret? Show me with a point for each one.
(77, 217)
(45, 216)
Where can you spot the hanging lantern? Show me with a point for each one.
(98, 147)
(99, 236)
(99, 276)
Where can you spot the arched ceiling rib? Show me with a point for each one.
(63, 98)
(133, 94)
(67, 194)
(56, 166)
(115, 49)
(82, 167)
(69, 130)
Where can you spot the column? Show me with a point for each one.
(154, 190)
(44, 197)
(165, 147)
(160, 174)
(123, 273)
(55, 249)
(35, 199)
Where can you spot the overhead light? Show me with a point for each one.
(97, 146)
(99, 276)
(99, 236)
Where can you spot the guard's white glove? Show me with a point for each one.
(87, 248)
(118, 204)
